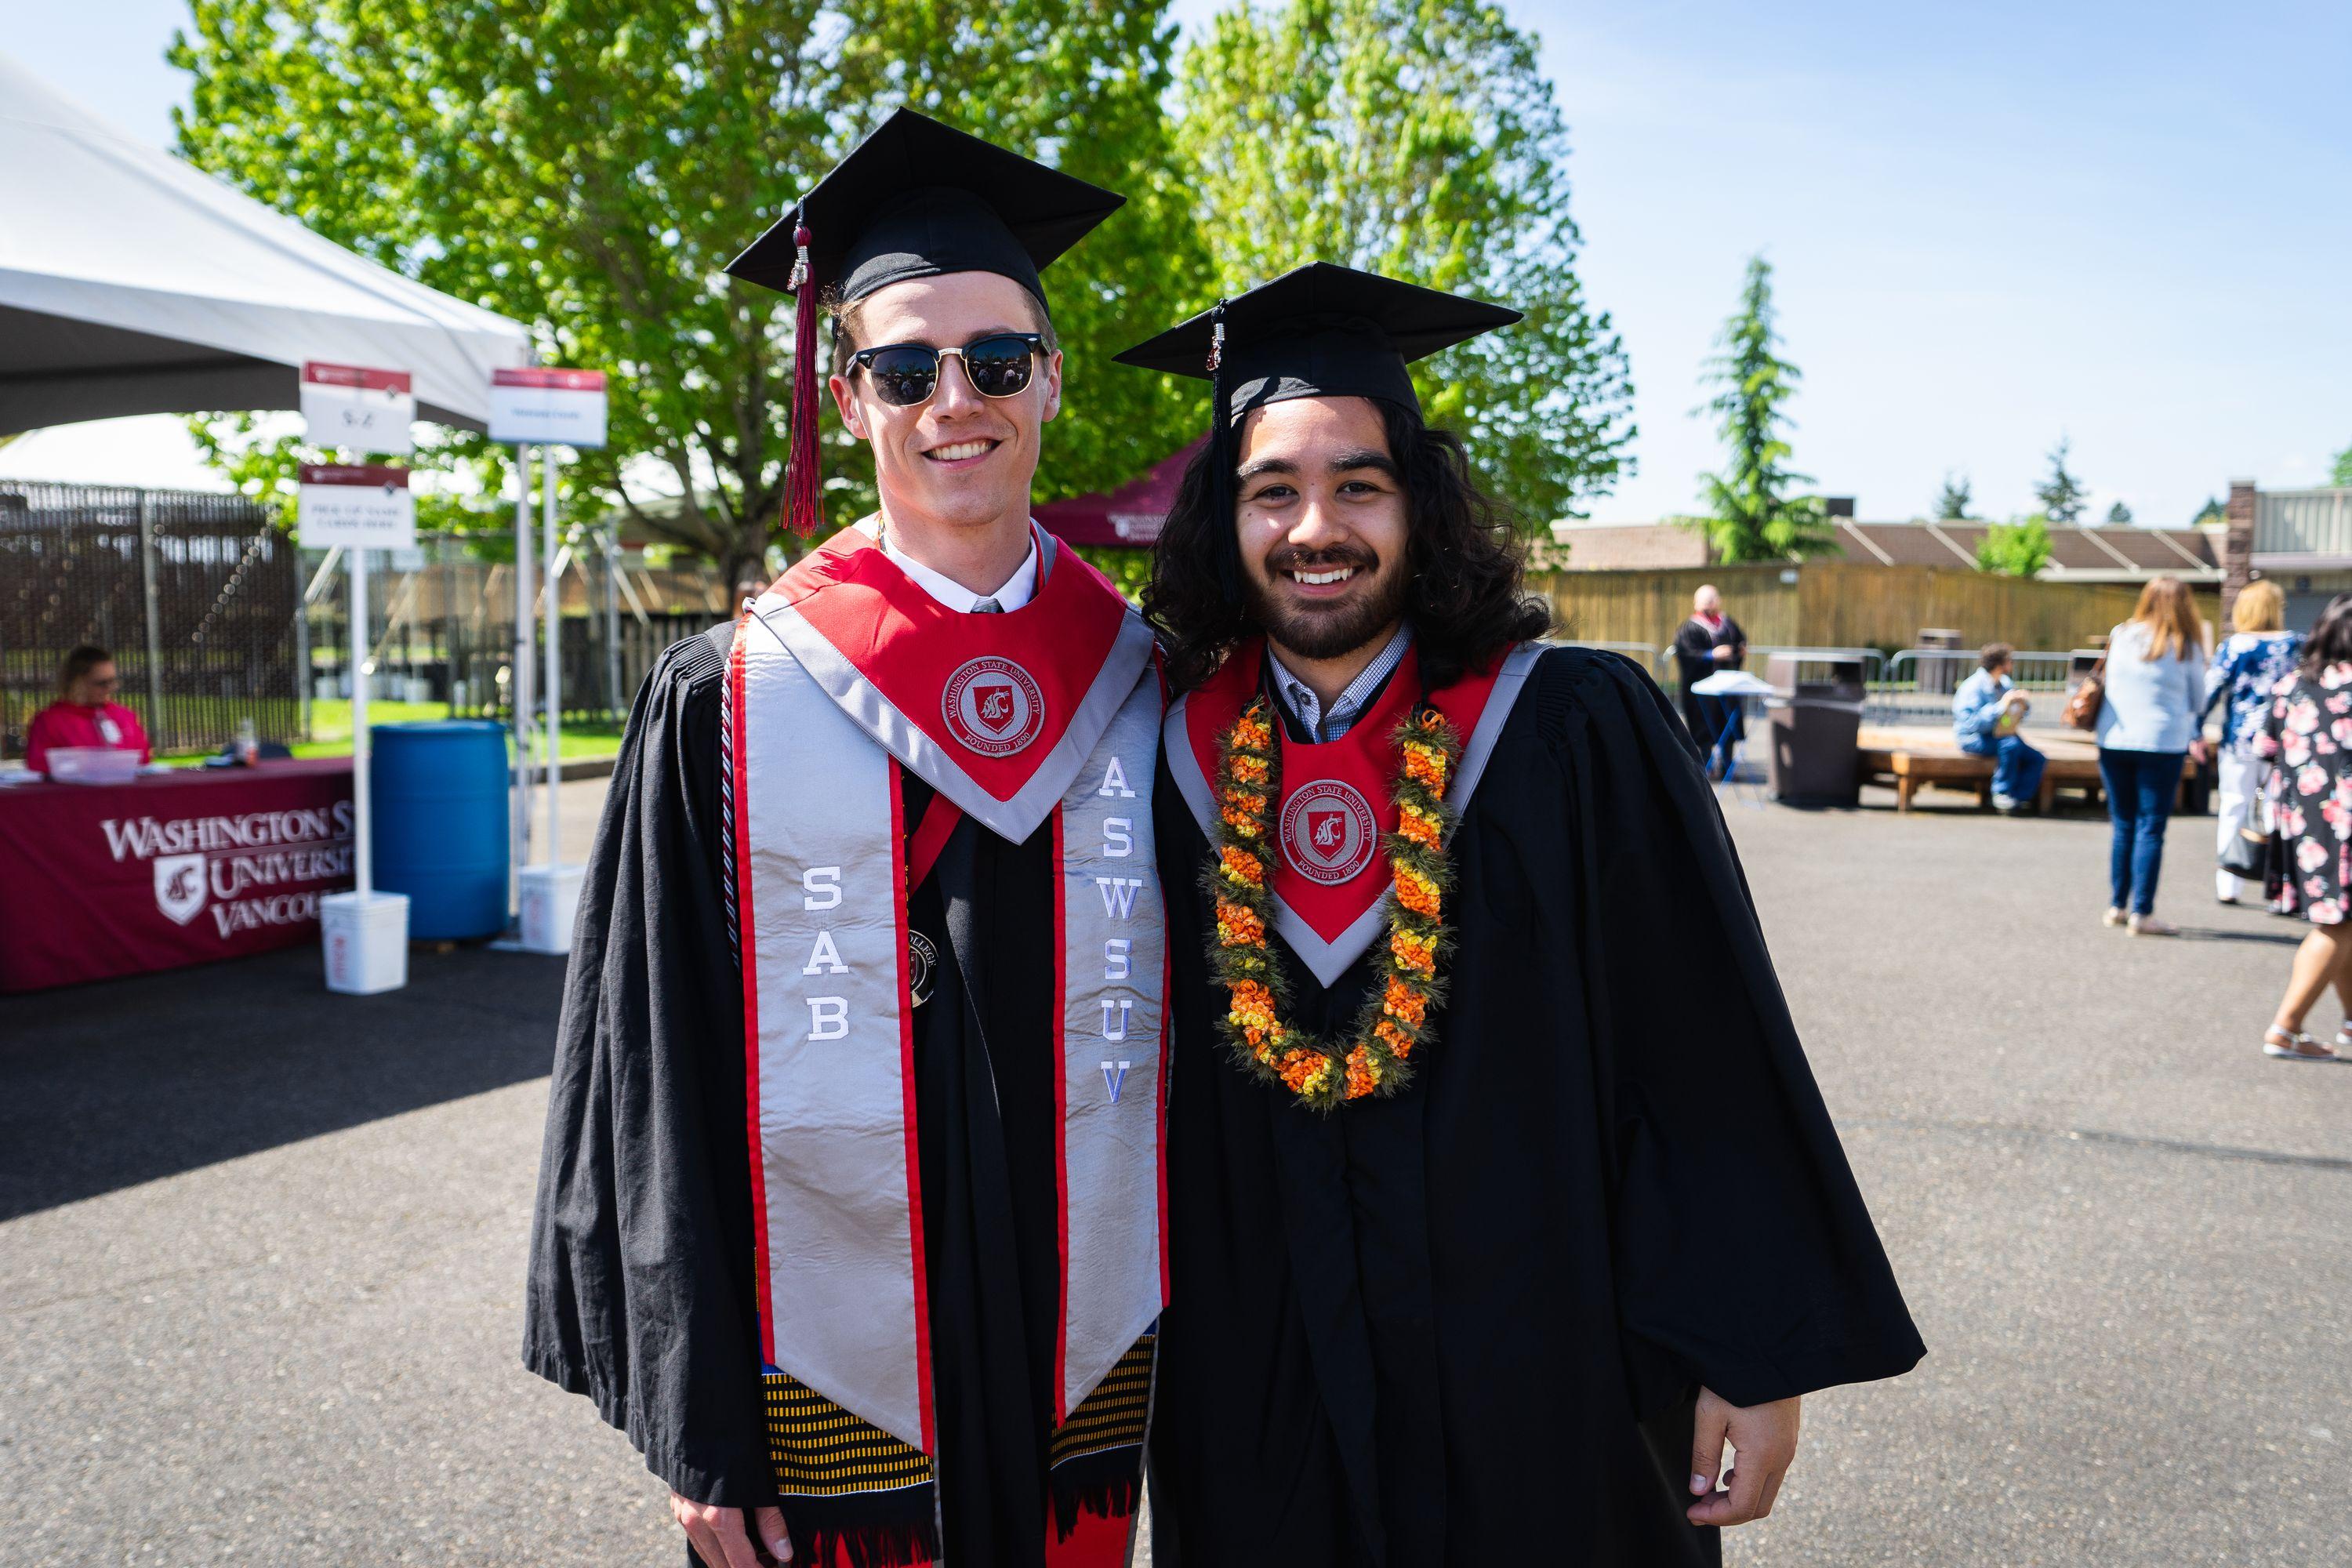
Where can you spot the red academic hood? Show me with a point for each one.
(1131, 514)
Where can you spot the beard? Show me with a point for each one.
(1328, 631)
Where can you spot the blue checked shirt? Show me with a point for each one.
(1349, 707)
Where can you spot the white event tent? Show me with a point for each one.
(131, 283)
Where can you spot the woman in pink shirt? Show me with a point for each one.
(86, 713)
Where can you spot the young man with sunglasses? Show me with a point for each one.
(849, 1213)
(1489, 1224)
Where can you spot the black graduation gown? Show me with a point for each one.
(1431, 1329)
(1694, 660)
(641, 1289)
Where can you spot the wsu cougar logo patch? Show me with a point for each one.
(1328, 832)
(180, 886)
(993, 707)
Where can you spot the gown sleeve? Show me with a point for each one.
(1744, 1255)
(640, 1293)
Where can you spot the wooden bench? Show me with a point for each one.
(1909, 767)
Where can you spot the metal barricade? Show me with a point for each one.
(1916, 686)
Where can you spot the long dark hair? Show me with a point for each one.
(2331, 637)
(1466, 601)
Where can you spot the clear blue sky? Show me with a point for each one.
(1993, 225)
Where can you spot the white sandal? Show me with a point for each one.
(2297, 1047)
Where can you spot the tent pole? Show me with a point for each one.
(362, 855)
(518, 676)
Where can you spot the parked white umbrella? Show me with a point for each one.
(131, 283)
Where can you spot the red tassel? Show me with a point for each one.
(799, 455)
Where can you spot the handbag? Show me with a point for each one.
(2247, 853)
(2083, 704)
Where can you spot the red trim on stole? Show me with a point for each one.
(1061, 1131)
(738, 766)
(1364, 759)
(908, 645)
(1167, 1009)
(907, 1092)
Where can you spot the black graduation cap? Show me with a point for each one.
(1317, 330)
(915, 198)
(918, 198)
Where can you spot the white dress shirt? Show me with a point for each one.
(1017, 590)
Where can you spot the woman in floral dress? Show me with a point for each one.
(2307, 740)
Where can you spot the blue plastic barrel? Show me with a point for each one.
(440, 812)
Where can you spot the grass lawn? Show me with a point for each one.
(331, 729)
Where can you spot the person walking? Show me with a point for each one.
(2147, 720)
(2246, 673)
(2306, 739)
(1986, 712)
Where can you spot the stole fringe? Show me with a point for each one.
(1107, 1486)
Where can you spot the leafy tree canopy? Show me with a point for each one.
(589, 170)
(1750, 515)
(2017, 548)
(1418, 139)
(2342, 472)
(2119, 515)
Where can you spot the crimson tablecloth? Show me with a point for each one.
(104, 879)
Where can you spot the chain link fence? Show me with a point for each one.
(193, 593)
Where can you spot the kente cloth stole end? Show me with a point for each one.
(819, 837)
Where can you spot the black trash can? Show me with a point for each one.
(1816, 752)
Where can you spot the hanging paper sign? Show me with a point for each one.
(356, 409)
(542, 404)
(360, 506)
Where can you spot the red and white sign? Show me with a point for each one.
(353, 408)
(360, 506)
(533, 405)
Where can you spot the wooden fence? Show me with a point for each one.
(1843, 603)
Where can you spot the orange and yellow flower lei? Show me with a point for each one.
(1395, 1020)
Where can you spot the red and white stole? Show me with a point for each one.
(842, 674)
(1337, 796)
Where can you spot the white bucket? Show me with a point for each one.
(550, 899)
(366, 942)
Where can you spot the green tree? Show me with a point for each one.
(2342, 474)
(1952, 501)
(2119, 515)
(1750, 515)
(589, 170)
(2211, 511)
(2017, 548)
(1418, 139)
(2063, 495)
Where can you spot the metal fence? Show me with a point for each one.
(194, 595)
(442, 619)
(1918, 684)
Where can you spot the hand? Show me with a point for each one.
(717, 1536)
(2199, 750)
(1765, 1436)
(1725, 653)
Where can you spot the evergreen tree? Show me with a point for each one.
(2342, 472)
(2119, 515)
(2211, 511)
(2063, 495)
(1750, 515)
(1952, 501)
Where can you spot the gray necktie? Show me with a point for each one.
(988, 608)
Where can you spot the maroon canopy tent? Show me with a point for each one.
(1131, 514)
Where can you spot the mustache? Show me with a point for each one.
(1291, 558)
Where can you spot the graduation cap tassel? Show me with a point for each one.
(1222, 462)
(800, 454)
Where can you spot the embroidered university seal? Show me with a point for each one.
(994, 706)
(1328, 832)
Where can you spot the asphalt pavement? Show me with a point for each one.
(261, 1248)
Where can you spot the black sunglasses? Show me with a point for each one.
(904, 374)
